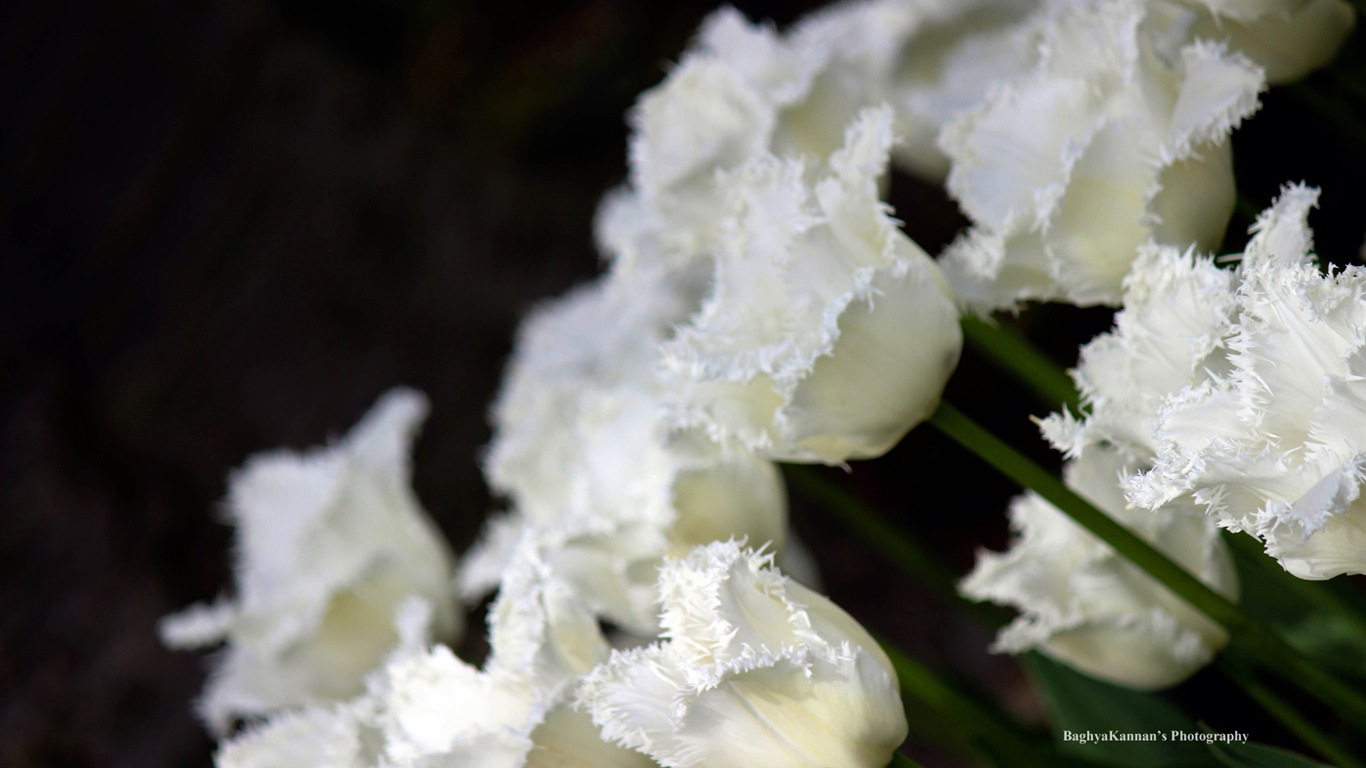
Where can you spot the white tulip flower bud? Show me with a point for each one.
(755, 670)
(330, 542)
(828, 333)
(1110, 141)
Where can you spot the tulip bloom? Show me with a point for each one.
(329, 543)
(1271, 441)
(755, 670)
(827, 333)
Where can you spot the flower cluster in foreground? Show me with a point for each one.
(763, 304)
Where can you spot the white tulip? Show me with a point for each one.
(827, 333)
(755, 670)
(1082, 603)
(329, 543)
(1177, 310)
(1092, 609)
(1116, 137)
(590, 468)
(1273, 440)
(425, 708)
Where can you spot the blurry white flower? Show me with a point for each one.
(718, 108)
(329, 543)
(755, 670)
(1287, 38)
(827, 333)
(1273, 440)
(580, 450)
(742, 91)
(313, 737)
(1116, 137)
(432, 709)
(425, 707)
(928, 59)
(1092, 609)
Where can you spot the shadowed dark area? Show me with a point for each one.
(227, 226)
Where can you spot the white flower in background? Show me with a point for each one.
(742, 91)
(580, 450)
(929, 59)
(312, 737)
(827, 333)
(718, 107)
(1273, 440)
(1287, 38)
(755, 670)
(1115, 138)
(1092, 609)
(432, 709)
(426, 708)
(329, 543)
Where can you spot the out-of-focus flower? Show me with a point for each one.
(742, 91)
(1287, 38)
(426, 708)
(1272, 441)
(592, 473)
(827, 333)
(329, 543)
(755, 670)
(928, 59)
(312, 737)
(434, 709)
(1116, 137)
(722, 105)
(1092, 609)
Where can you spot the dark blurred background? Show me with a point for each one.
(226, 227)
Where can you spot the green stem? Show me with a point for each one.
(1010, 351)
(1243, 629)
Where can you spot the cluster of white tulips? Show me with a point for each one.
(762, 304)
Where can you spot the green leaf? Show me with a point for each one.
(1259, 756)
(1082, 705)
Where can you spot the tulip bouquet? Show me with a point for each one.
(762, 305)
